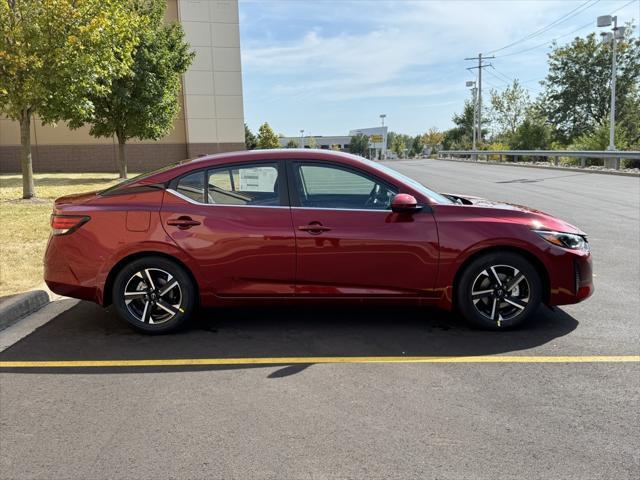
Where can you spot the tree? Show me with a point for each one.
(508, 108)
(460, 136)
(143, 103)
(250, 140)
(267, 138)
(576, 95)
(359, 144)
(532, 134)
(433, 138)
(598, 139)
(311, 142)
(292, 144)
(398, 146)
(417, 146)
(53, 54)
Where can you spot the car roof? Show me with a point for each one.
(280, 153)
(247, 156)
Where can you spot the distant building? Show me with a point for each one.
(211, 118)
(377, 141)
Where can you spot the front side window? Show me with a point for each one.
(326, 186)
(244, 185)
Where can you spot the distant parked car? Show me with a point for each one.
(307, 226)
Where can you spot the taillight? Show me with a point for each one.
(63, 224)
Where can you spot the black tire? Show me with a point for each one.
(168, 306)
(498, 305)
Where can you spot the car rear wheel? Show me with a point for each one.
(154, 295)
(499, 291)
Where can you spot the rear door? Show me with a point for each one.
(235, 221)
(350, 243)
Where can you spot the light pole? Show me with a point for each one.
(617, 33)
(474, 91)
(302, 138)
(383, 147)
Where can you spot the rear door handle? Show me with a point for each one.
(183, 223)
(314, 228)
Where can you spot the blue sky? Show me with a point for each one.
(329, 66)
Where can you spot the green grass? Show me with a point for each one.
(25, 223)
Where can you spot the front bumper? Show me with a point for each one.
(574, 283)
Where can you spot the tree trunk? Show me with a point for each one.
(122, 157)
(28, 188)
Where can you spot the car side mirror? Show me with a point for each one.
(405, 203)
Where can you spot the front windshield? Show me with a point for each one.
(410, 181)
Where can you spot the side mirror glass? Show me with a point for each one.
(405, 203)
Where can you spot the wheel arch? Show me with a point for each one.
(108, 285)
(535, 261)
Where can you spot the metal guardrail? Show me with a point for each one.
(611, 158)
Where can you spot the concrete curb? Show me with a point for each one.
(544, 167)
(19, 306)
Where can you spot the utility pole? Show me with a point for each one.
(302, 138)
(480, 66)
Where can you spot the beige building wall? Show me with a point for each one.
(211, 117)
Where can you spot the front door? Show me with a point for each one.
(235, 222)
(348, 240)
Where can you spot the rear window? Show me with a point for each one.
(137, 178)
(192, 186)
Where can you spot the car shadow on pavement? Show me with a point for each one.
(89, 332)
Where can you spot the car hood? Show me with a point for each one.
(519, 213)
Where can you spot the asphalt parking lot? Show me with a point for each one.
(478, 420)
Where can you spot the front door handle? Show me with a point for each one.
(314, 228)
(182, 223)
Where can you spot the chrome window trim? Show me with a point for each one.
(344, 209)
(190, 200)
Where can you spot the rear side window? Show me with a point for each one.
(244, 185)
(192, 186)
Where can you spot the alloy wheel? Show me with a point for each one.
(153, 296)
(500, 293)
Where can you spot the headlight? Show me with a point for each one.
(565, 240)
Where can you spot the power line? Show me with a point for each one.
(544, 44)
(579, 9)
(508, 79)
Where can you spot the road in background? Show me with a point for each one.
(606, 207)
(448, 421)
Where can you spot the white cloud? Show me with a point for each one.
(368, 51)
(384, 42)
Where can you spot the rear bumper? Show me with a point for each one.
(60, 276)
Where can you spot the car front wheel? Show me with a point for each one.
(498, 291)
(154, 295)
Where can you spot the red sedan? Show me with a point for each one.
(307, 226)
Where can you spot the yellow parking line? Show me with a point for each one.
(185, 362)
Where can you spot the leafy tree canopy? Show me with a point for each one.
(433, 137)
(267, 138)
(576, 96)
(54, 54)
(508, 108)
(143, 103)
(250, 140)
(359, 144)
(417, 146)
